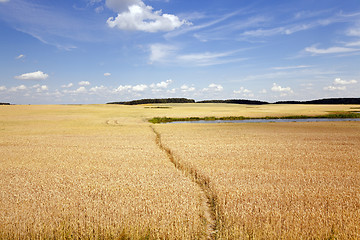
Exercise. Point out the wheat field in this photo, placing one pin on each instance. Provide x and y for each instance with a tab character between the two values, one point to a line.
276	180
70	173
104	172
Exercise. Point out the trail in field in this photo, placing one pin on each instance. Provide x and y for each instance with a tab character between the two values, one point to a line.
209	199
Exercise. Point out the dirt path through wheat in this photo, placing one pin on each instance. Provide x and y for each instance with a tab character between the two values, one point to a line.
209	199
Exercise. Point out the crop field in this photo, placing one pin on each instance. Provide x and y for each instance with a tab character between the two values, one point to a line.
105	172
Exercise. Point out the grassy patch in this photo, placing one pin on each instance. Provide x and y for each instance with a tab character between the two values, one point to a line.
233	118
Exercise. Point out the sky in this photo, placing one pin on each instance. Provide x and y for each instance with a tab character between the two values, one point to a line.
99	51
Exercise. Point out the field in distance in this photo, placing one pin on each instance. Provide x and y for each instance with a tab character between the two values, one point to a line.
104	171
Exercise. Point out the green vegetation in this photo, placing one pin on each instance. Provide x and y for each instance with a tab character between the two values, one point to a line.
232	118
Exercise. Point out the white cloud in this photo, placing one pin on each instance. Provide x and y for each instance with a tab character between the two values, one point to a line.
80	90
161	52
39	75
354	32
163	84
331	50
338	85
68	85
84	83
213	88
122	88
98	88
135	15
41	88
353	44
139	88
291	67
208	58
21	56
2	88
277	88
18	88
107	74
172	91
242	90
333	88
186	88
3	1
264	91
338	81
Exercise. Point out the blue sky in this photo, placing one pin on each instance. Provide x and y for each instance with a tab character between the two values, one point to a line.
96	51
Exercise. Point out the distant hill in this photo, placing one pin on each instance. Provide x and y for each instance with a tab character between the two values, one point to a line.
324	101
156	100
4	103
235	101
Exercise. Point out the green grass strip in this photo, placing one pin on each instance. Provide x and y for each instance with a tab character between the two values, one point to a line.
340	115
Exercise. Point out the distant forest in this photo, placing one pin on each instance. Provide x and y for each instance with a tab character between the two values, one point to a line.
235	101
4	103
241	101
156	100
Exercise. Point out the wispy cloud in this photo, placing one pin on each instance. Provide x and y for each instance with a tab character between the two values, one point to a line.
196	27
168	54
21	56
332	50
50	25
290	67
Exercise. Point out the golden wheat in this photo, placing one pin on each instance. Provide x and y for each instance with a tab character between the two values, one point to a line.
70	172
96	171
276	180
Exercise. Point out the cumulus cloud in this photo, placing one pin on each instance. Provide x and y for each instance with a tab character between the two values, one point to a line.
163	84
136	16
41	88
39	75
338	85
80	90
130	88
282	90
139	88
245	92
67	85
84	83
98	89
213	88
186	88
2	88
334	88
123	88
339	81
18	88
107	74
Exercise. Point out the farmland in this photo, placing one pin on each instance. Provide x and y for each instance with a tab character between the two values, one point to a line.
104	171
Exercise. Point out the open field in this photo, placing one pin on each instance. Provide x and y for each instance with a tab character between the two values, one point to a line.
103	171
276	180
